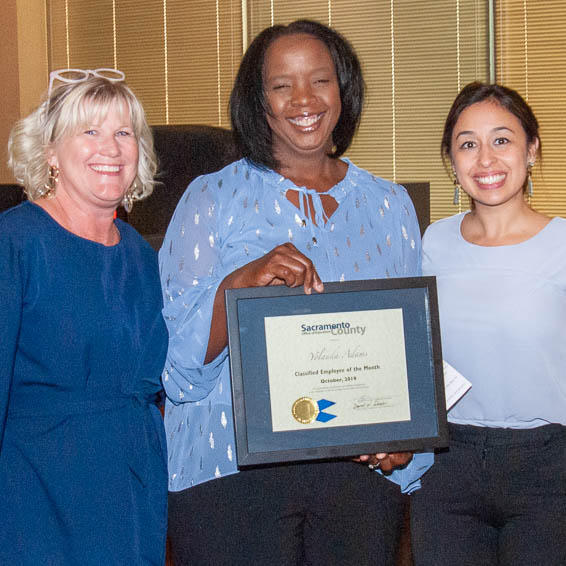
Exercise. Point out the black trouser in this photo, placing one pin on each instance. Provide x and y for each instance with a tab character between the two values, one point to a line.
496	497
337	513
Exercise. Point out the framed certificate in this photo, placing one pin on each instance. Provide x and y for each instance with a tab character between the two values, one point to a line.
354	370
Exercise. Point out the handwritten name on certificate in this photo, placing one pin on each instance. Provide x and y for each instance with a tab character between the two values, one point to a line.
337	369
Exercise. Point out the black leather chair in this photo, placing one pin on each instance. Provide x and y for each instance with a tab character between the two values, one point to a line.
183	153
10	195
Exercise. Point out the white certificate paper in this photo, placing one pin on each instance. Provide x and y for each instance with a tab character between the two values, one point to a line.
350	366
455	385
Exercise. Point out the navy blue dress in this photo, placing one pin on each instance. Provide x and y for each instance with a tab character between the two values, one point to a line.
83	476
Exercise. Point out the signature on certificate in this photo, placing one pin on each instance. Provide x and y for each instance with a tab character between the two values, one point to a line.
367	402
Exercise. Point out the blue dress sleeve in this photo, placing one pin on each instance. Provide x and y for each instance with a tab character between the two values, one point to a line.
11	301
191	271
409	477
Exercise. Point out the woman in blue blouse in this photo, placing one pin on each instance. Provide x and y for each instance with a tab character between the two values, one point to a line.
497	497
290	212
82	448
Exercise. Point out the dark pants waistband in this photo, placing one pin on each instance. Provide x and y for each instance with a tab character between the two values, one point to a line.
488	436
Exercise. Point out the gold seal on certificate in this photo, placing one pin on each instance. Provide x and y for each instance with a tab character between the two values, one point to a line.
305	410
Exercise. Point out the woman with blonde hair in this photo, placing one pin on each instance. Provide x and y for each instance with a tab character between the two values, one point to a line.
82	457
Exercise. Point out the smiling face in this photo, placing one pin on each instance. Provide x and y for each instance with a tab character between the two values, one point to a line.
490	154
98	163
302	92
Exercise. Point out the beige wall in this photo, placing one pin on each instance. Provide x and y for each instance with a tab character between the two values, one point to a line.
23	66
10	100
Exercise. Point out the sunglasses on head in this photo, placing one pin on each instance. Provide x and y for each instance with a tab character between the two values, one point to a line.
80	75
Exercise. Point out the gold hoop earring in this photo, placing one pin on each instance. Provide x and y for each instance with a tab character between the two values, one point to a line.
128	200
52	181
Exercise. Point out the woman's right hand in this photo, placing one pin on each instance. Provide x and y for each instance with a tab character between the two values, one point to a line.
283	265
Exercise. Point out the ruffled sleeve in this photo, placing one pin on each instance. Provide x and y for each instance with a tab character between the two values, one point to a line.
191	270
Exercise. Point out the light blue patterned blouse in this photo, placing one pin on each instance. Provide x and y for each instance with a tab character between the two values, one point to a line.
227	219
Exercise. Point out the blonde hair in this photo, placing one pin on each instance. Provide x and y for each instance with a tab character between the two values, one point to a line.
69	108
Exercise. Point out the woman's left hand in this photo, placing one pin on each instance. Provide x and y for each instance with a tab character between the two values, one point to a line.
387	462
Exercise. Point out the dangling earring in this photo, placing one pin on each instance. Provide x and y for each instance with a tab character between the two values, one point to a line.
530	178
52	181
128	200
457	188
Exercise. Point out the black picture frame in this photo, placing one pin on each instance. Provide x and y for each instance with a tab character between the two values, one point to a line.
257	443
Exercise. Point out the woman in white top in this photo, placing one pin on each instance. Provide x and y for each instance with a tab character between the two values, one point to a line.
498	495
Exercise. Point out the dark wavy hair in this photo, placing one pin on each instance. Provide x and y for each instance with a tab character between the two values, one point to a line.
248	104
506	97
